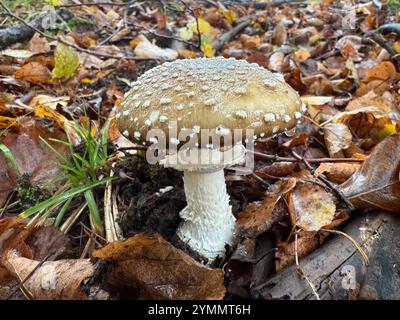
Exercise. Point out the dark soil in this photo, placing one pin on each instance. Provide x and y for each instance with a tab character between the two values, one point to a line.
144	208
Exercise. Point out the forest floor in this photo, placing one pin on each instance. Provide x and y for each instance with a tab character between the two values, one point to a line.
317	218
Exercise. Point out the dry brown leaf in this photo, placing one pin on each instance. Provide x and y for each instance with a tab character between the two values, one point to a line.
338	172
259	217
53	280
48	240
13	233
311	207
377	183
38	44
277	169
385	71
279	36
159	270
33	158
337	138
34	72
285	256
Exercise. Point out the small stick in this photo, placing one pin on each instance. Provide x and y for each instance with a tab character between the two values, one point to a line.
310	160
261	180
358	247
300	270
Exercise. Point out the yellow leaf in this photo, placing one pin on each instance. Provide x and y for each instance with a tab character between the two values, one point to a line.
66	62
54	3
6	122
386	131
229	15
204	26
42	111
396	46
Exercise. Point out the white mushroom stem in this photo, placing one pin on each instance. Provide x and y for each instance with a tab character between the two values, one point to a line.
208	224
208	221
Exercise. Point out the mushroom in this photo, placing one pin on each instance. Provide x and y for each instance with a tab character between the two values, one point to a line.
217	94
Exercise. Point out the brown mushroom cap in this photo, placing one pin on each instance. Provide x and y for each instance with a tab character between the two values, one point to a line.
208	93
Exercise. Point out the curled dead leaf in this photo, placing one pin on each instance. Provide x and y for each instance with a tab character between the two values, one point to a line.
311	207
259	217
53	280
337	138
377	183
338	172
159	270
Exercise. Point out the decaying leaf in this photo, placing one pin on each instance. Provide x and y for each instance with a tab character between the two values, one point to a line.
13	233
258	217
33	158
377	183
311	206
33	72
159	270
338	172
53	280
337	138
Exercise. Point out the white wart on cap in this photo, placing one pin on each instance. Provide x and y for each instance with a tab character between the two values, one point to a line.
209	93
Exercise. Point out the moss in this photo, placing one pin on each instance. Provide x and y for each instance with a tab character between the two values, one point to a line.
30	194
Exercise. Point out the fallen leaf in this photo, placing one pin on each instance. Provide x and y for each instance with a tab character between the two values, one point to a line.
38	44
48	240
145	49
67	62
279	36
285	256
49	101
13	233
53	280
385	71
311	207
276	61
337	138
19	54
258	217
377	183
33	72
34	159
337	172
159	270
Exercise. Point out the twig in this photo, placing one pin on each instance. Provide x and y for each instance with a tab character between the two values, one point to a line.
310	160
29	275
72	45
390	27
261	180
393	53
301	272
188	8
189	43
325	181
358	247
226	37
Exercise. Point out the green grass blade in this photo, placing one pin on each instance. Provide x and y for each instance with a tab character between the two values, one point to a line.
10	157
54	150
94	211
62	212
63	197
